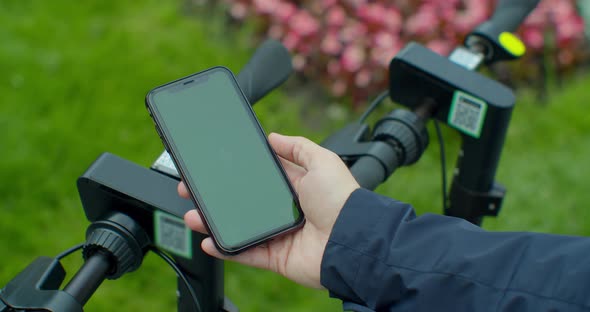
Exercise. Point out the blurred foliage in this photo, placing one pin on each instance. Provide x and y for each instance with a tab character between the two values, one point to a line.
74	76
347	44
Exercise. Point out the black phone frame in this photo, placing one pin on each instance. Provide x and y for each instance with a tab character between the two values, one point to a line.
192	189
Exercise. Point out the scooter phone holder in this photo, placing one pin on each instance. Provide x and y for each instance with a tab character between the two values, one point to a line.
113	184
477	106
417	73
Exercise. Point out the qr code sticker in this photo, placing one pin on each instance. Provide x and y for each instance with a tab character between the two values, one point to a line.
467	114
172	234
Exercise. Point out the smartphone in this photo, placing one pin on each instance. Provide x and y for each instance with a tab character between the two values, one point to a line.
232	174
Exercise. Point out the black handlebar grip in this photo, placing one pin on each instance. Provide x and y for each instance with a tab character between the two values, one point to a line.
269	67
368	172
509	14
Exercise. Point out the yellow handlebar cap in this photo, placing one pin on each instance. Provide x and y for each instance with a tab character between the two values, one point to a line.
512	44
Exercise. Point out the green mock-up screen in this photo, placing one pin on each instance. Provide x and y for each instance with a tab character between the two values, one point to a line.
224	154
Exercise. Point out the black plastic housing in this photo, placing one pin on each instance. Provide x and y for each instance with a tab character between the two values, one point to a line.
43	295
417	74
112	184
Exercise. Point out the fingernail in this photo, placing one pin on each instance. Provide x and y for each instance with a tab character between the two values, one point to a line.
188	213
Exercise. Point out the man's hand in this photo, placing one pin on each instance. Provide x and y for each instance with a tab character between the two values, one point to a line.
323	184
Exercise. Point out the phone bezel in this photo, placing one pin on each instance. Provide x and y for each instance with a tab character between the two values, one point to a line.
194	194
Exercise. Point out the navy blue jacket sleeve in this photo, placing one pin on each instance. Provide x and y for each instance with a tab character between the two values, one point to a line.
381	257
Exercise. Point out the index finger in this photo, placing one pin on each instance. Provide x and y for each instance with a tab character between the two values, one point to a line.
194	221
182	191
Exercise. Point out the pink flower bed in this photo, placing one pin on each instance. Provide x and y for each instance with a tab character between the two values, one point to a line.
347	44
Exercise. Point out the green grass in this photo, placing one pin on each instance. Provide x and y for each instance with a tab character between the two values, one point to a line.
543	166
73	82
73	78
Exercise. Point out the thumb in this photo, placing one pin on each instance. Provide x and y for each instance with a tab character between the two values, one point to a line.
299	150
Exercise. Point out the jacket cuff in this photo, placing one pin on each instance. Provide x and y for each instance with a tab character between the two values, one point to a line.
362	233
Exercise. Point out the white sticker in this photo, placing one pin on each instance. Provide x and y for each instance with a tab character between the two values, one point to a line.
466	58
165	164
171	234
467	114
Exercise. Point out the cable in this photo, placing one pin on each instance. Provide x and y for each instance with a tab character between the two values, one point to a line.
374	105
443	167
69	251
181	275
